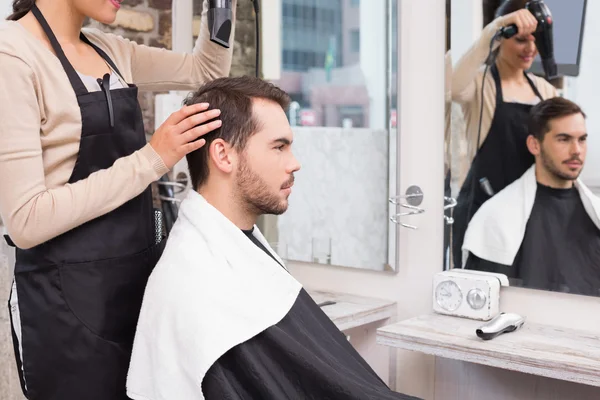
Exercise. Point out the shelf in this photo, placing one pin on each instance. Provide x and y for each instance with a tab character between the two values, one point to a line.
353	311
543	350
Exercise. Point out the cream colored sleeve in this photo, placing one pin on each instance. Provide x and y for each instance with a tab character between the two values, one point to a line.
161	69
32	212
465	71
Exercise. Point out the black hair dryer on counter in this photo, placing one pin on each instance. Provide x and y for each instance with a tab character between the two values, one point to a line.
544	39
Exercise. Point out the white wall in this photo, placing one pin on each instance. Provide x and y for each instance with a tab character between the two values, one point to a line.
5	8
465	26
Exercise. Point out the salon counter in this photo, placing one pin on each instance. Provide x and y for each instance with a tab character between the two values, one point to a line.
349	311
535	362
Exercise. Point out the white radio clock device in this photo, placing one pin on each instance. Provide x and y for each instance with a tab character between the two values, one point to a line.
468	294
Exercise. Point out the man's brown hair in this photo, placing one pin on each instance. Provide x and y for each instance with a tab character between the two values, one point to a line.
233	96
542	114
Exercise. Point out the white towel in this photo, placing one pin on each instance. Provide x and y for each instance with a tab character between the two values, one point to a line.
211	290
497	229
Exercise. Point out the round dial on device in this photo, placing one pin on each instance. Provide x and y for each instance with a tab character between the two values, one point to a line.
476	298
448	295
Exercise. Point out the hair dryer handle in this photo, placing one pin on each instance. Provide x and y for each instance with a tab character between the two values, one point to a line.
509	31
545	45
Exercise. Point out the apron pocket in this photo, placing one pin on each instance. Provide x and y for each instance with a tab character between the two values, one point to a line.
106	295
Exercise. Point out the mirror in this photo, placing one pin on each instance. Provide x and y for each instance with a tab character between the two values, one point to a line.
339	65
525	176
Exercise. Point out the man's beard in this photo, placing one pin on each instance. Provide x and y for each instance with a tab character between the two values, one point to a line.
552	168
254	194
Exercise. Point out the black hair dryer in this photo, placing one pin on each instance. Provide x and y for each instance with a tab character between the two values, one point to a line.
544	38
219	21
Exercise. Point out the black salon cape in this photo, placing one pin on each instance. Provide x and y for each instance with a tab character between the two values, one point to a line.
561	248
303	357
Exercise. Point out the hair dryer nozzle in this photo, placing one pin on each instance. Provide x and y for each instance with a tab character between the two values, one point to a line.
219	21
550	68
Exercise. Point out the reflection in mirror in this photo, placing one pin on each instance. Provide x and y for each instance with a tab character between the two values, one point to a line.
526	202
339	66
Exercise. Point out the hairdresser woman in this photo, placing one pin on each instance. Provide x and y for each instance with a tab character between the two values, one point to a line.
500	153
75	171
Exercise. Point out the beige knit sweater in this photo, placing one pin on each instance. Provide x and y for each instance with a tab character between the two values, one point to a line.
40	128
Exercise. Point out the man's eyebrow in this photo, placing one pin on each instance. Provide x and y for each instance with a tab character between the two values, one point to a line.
282	140
568	135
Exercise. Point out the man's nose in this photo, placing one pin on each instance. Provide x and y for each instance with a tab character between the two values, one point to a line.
294	164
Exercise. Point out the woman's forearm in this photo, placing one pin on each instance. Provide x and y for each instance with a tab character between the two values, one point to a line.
161	69
466	69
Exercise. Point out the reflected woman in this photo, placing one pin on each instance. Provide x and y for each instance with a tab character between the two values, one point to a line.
498	147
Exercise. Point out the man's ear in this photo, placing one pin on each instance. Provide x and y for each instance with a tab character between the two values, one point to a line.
221	155
533	145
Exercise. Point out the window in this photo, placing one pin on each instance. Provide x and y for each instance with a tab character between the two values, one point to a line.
339	212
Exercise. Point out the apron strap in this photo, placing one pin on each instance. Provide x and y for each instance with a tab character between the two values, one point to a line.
9	241
499	95
75	80
103	55
535	89
496	76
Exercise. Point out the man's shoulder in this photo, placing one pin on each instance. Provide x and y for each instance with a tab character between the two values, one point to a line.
502	202
183	260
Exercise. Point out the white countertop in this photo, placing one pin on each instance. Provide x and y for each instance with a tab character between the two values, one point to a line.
543	350
351	311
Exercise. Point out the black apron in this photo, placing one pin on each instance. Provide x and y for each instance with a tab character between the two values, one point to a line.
79	294
502	158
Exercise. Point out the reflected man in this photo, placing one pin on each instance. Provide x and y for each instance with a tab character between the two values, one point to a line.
543	230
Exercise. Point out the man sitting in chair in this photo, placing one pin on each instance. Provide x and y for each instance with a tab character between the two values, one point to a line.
543	230
222	318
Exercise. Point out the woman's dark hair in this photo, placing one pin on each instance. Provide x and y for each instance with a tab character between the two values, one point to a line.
510	6
493	9
20	8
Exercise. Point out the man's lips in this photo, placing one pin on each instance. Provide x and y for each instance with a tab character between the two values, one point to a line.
574	163
288	184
